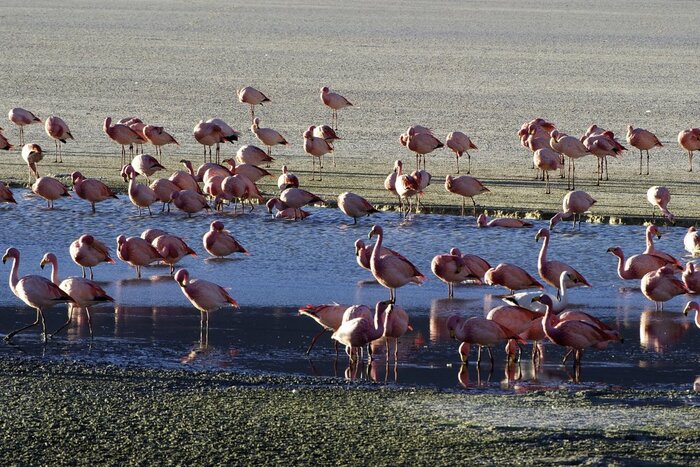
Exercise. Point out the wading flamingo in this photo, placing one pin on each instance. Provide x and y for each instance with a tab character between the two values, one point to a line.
190	202
691	278
363	253
137	252
250	154
219	242
355	206
164	190
636	266
550	271
50	189
328	316
6	195
690	306
32	155
574	203
511	277
691	241
172	248
451	270
476	264
480	331
287	180
140	195
5	143
146	165
396	324
507	222
661	286
58	130
91	189
355	333
88	252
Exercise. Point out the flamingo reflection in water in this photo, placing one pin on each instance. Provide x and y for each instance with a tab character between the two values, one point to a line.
660	331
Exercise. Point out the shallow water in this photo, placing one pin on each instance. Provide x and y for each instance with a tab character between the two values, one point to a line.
295	263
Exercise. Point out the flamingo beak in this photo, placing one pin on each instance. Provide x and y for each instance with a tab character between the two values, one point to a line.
686	310
452	334
4	259
42	264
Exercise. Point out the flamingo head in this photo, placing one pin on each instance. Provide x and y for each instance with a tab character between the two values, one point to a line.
456	252
86	239
231	162
360	245
376	230
453	322
555	220
186	163
284	169
10	253
76	177
121	240
182	277
126	172
653	230
481	220
615	250
325	90
217	226
308	134
31	149
398	165
691	306
48	258
544	299
542	233
256	122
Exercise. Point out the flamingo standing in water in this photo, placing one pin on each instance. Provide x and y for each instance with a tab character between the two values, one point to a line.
287	180
172	248
635	267
267	136
328	316
661	286
460	144
390	181
650	249
363	253
190	202
396	324
476	264
574	203
251	96
391	271
296	198
480	331
659	197
50	189
465	186
32	155
336	102
91	189
5	143
355	206
507	222
690	141
140	195
158	137
84	292
550	271
88	252
137	252
643	140
511	277
357	332
219	242
22	117
36	291
122	135
6	195
58	130
451	270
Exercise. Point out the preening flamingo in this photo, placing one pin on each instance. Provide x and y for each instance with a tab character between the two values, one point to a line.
547	160
476	264
146	165
507	222
570	147
287	180
363	253
58	130
550	271
91	189
460	144
390	181
190	202
50	189
355	206
511	277
336	102
296	198
251	96
451	270
219	242
164	190
422	144
465	186
574	203
140	195
659	197
22	117
691	278
691	241
88	252
693	306
32	155
643	140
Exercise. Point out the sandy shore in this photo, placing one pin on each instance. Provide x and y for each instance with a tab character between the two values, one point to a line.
480	68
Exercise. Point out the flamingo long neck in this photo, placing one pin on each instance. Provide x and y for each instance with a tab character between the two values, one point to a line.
650	242
548	325
379	324
543	251
621	271
563	294
376	250
14	274
54	272
132	186
189	167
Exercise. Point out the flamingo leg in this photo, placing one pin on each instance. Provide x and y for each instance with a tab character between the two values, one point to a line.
83	268
89	318
91	274
566	356
457	157
647	162
39	318
640	162
607	177
70	318
469	161
313	341
474	202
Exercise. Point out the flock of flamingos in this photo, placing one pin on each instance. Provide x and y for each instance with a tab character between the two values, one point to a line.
526	316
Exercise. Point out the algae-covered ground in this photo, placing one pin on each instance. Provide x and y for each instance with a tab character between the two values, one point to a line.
71	413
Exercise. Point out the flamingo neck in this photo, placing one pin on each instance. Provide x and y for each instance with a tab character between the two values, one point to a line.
14	274
650	242
548	323
543	251
376	250
563	294
54	272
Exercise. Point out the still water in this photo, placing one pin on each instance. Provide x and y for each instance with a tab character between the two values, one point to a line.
297	263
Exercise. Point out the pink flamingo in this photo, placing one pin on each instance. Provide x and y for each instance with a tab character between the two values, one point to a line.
659	197
84	292
249	171
6	195
511	277
164	190
190	202
185	180
635	267
284	211
137	125
476	264
251	96
146	165
602	146
151	234
91	189
57	129
267	136
219	242
403	139
172	249
691	241
574	203
691	278
88	252
395	326
357	332
465	186
287	180
363	253
407	186
507	222
422	144
690	306
690	141
35	291
612	334
316	148
210	169
652	231
451	270
391	271
137	252
460	144
550	271
328	316
140	195
336	102
240	187
643	140
5	143
480	331
32	155
158	137
354	206
570	147
516	318
296	198
390	181
547	160
21	118
662	285
326	132
122	135
50	189
250	154
204	296
208	134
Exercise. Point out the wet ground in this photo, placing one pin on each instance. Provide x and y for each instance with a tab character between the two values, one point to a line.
296	263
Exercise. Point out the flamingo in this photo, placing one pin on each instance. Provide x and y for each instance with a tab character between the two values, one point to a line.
250	154
480	331
57	129
465	186
6	195
5	143
146	165
476	264
391	271
612	334
267	136
137	125
296	198
390	181
284	211
251	96
203	295
559	301
326	132
35	291
403	139
691	278
336	102
287	180
209	170
172	249
690	141
84	292
451	270
460	144
50	189
328	316
140	195
407	186
151	234
513	317
240	187
21	118
422	144
185	180
208	134
91	189
602	146
652	231
635	267
190	201
363	253
164	190
249	171
137	252
316	148
570	147
690	306
691	241
32	155
511	277
357	332
550	271
88	252
547	160
507	222
659	197
122	135
219	242
355	206
396	324
574	203
662	285
643	140
158	137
